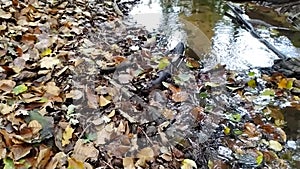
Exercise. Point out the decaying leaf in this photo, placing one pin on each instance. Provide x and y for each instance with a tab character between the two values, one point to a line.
67	135
84	151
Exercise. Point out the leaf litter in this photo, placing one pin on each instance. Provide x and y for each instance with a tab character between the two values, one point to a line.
71	77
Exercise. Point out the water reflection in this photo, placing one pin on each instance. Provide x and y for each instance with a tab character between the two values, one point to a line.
231	45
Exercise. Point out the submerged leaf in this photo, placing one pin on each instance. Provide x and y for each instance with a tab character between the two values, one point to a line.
268	92
163	63
252	83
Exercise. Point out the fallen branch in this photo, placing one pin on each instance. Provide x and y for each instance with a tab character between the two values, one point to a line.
248	26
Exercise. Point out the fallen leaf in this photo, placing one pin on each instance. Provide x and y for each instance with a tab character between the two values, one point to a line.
188	164
8	163
49	62
20	151
252	83
74	164
92	98
46	52
145	155
35	126
163	63
52	89
128	163
103	101
83	151
275	145
20	89
67	135
58	161
5	15
7	85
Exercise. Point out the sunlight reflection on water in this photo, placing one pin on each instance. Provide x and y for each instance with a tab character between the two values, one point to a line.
231	45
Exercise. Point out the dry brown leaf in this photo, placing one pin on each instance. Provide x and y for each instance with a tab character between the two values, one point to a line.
20	151
44	156
128	163
58	161
74	94
180	96
52	89
35	126
145	155
7	85
67	135
49	62
92	98
6	109
83	151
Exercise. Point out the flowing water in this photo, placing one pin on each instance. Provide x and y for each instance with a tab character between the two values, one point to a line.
228	43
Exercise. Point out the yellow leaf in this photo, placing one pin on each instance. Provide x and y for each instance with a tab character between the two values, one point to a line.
103	101
74	164
188	164
67	135
46	52
282	84
226	130
252	83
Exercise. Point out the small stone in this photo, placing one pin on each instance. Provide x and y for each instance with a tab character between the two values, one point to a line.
296	83
296	91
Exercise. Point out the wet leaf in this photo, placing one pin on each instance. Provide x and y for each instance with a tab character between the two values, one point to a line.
67	135
163	63
20	89
268	92
259	158
252	83
227	130
282	84
74	164
188	164
275	145
235	117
